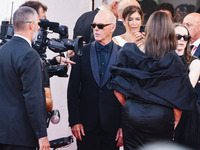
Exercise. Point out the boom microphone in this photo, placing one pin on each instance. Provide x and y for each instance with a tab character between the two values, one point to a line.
44	23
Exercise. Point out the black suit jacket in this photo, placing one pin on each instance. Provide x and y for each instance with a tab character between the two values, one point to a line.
90	101
120	29
197	54
82	26
22	105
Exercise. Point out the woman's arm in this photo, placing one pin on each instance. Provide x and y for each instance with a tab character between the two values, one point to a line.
120	97
194	73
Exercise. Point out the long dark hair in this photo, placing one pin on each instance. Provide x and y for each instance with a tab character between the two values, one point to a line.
160	35
129	10
187	51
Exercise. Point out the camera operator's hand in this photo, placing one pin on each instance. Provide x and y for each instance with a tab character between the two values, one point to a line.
77	130
70	53
44	143
63	61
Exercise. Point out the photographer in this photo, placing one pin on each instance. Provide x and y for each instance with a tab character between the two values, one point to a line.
41	10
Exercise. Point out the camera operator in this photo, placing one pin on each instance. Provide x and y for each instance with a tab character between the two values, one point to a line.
22	104
41	10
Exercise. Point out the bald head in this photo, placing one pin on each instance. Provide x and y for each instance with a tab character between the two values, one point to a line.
192	22
123	4
106	15
106	19
194	16
129	2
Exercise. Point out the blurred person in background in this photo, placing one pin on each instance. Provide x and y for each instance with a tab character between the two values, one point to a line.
132	20
188	130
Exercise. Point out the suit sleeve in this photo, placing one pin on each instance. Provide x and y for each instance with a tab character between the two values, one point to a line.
73	93
31	78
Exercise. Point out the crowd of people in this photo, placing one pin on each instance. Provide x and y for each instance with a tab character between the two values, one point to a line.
130	88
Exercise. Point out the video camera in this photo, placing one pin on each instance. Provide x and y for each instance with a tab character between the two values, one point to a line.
56	45
60	45
6	32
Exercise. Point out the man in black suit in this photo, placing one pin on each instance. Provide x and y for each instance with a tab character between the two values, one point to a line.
192	22
94	111
22	104
41	9
82	26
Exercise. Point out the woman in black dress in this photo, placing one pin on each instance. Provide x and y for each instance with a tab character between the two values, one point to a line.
153	86
187	131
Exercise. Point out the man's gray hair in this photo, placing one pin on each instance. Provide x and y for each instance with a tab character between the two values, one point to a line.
22	17
109	2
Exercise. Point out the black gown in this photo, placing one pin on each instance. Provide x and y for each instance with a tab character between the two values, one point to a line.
152	88
187	132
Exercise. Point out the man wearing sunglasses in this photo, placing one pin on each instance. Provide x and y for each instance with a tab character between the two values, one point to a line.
192	22
82	26
94	111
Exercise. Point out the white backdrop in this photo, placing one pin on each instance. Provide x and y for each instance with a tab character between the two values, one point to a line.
65	12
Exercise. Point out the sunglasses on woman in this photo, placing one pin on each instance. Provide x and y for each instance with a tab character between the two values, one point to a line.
100	26
185	37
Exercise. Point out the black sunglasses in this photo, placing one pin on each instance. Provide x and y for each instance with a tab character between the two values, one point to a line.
185	37
100	26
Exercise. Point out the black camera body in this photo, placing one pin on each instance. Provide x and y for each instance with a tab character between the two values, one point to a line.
60	45
7	32
56	45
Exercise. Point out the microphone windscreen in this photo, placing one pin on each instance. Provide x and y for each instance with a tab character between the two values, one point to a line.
55	118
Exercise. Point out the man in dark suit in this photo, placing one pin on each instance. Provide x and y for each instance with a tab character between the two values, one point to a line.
94	111
22	104
192	22
41	9
82	26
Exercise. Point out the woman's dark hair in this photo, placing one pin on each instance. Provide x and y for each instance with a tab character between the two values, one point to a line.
187	51
166	6
160	35
129	10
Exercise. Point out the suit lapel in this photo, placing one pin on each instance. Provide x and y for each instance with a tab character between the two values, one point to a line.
94	63
111	61
197	52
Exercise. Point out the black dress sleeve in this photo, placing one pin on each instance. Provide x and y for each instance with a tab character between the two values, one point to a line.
163	81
